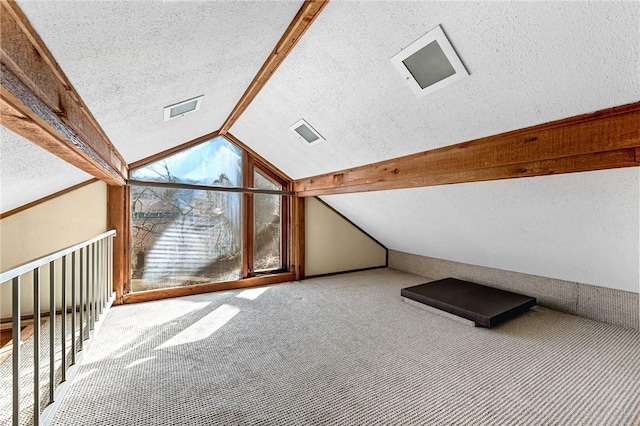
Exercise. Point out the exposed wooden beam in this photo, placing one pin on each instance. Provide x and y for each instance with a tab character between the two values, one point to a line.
581	163
40	104
602	140
303	19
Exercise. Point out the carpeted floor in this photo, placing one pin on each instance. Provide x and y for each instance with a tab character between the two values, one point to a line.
27	372
346	350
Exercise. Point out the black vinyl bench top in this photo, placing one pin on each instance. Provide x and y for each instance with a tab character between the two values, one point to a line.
486	306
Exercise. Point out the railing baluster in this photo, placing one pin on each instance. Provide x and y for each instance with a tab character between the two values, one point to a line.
52	330
36	346
63	320
87	302
74	273
15	335
91	274
94	289
98	287
101	274
81	305
111	270
90	287
88	291
104	274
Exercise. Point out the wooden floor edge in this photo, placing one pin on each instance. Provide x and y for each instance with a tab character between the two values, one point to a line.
7	349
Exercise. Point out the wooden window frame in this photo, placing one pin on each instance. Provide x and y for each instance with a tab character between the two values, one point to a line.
119	212
285	223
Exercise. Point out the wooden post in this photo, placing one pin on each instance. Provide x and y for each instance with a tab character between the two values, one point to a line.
118	219
297	237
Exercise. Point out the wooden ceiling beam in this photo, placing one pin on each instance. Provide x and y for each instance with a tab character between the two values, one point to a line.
602	140
300	23
40	103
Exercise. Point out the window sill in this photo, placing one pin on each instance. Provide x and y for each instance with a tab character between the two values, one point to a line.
165	293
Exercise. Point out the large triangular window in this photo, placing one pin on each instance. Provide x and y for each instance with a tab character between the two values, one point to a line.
216	162
206	214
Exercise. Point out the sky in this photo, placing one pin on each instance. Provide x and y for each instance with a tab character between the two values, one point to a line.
200	165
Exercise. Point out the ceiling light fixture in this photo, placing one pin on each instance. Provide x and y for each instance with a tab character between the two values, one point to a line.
306	132
430	63
182	108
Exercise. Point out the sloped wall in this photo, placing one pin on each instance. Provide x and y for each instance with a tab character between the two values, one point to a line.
29	173
580	227
53	225
333	244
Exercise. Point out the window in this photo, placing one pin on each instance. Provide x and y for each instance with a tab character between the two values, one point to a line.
188	218
267	229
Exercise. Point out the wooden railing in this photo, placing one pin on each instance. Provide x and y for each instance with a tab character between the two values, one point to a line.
80	284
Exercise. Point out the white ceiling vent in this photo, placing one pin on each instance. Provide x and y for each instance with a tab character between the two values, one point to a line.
306	132
429	63
182	108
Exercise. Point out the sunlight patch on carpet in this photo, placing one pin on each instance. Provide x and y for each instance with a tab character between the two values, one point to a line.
252	293
204	327
140	361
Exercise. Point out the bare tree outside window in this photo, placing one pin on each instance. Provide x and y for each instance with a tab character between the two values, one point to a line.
182	236
267	225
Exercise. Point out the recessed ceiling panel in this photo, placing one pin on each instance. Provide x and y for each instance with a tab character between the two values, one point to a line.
306	132
128	60
530	63
429	63
182	108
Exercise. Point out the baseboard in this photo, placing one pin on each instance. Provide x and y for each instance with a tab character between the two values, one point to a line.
330	274
617	307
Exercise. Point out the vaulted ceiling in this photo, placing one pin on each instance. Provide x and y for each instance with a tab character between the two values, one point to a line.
529	63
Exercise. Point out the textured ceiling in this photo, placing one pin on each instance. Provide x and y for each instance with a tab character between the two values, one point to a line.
28	172
128	60
530	62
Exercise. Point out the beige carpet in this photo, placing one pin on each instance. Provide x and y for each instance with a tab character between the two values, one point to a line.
27	371
346	350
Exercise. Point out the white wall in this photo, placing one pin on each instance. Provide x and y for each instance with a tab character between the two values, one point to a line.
332	244
53	225
581	227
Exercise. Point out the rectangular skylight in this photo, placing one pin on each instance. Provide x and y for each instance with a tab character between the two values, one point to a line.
182	108
306	132
429	63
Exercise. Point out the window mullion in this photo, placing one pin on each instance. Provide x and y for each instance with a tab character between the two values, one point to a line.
247	217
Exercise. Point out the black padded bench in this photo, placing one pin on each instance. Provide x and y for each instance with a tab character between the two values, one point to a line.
485	306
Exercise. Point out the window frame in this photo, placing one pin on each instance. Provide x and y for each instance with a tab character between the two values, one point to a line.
254	166
288	250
